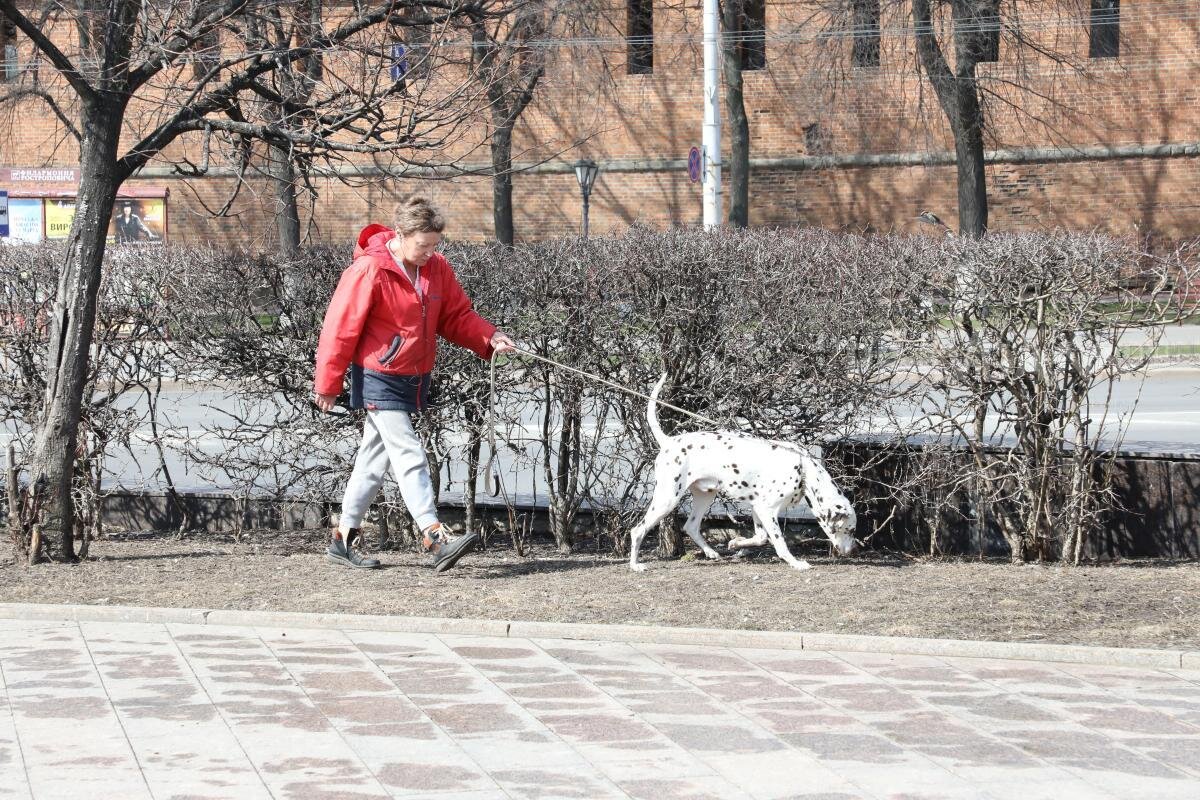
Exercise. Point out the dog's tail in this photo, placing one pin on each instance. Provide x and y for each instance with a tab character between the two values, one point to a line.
652	412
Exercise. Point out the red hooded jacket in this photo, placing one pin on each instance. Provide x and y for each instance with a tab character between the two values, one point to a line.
377	321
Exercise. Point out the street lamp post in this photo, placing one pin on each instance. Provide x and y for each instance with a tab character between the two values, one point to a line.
586	171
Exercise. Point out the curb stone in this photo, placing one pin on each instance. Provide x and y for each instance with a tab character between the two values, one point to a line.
1021	651
644	634
88	613
361	622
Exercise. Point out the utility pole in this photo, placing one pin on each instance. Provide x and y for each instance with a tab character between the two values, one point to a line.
712	116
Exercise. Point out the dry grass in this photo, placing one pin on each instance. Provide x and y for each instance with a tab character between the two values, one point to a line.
1135	604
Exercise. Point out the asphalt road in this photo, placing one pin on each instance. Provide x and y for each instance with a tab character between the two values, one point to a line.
1166	419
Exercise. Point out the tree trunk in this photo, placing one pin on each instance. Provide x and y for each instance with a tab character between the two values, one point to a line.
739	139
502	186
15	528
958	95
565	488
968	152
470	495
287	209
74	314
670	540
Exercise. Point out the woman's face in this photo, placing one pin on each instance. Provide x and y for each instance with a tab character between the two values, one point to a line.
416	248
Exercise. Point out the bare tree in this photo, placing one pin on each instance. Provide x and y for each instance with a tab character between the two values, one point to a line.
1020	371
127	359
508	61
743	47
129	81
975	26
291	86
995	67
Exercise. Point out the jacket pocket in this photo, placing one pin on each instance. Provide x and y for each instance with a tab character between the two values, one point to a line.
394	348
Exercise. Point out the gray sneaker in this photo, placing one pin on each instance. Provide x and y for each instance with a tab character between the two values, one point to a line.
447	548
341	550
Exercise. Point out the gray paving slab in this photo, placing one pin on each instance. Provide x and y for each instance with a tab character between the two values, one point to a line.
14	782
120	708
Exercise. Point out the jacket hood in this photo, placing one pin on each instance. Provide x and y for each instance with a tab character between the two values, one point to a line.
372	241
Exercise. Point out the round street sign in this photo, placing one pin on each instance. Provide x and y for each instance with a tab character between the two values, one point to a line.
694	164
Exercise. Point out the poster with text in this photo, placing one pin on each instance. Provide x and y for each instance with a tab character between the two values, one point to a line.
60	213
138	220
25	219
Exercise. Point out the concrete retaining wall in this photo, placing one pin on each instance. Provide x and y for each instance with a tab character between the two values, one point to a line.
1157	516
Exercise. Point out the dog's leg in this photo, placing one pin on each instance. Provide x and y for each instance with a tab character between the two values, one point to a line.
768	517
701	502
757	540
667	492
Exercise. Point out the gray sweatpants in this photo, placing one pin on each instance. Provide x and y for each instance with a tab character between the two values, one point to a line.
389	440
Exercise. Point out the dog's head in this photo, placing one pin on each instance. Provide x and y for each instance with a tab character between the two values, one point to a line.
839	522
833	510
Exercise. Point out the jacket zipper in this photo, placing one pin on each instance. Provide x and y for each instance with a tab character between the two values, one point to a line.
425	333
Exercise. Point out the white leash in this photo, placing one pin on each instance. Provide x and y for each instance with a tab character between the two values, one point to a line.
491	420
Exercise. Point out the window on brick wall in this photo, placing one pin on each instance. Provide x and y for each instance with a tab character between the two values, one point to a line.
640	39
9	66
206	54
408	55
1104	34
417	38
866	33
988	43
752	46
816	142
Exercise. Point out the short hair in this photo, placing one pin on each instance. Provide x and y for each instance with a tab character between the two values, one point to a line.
417	215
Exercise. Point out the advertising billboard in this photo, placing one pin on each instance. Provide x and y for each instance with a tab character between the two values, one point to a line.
25	219
60	213
138	220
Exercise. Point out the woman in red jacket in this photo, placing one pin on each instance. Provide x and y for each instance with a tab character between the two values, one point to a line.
391	304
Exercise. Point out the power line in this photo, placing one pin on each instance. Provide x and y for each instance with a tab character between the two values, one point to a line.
1004	23
1020	24
999	73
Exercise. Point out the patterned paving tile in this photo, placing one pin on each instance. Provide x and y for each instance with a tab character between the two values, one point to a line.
294	747
70	736
14	785
178	737
103	710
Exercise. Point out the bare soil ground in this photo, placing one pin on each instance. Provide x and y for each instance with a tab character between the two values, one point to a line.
1133	604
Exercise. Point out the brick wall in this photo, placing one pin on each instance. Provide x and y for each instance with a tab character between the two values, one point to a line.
1149	96
1126	196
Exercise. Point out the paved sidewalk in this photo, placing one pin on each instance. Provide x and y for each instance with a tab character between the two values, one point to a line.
145	710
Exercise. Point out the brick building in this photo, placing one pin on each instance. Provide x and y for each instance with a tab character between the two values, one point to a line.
1094	127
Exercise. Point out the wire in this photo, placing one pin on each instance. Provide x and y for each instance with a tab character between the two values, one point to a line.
999	72
1022	24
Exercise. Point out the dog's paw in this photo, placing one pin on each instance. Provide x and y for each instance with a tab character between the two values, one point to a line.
801	564
638	567
713	555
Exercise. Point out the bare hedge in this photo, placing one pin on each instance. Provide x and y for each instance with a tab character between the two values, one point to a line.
983	353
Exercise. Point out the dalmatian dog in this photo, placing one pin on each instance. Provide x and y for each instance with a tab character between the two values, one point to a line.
769	475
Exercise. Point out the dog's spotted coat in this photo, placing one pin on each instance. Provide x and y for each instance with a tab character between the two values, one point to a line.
769	476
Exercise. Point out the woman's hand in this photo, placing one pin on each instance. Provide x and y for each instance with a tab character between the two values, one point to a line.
325	402
501	342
